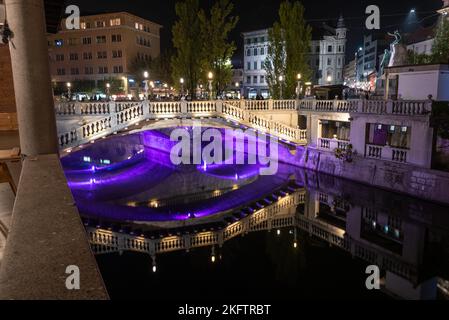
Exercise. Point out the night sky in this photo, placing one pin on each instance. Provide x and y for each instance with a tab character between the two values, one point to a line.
258	14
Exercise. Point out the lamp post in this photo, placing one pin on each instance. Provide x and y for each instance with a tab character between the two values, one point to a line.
152	87
329	80
298	77
108	91
166	90
201	91
181	81
281	79
210	77
146	75
237	85
69	90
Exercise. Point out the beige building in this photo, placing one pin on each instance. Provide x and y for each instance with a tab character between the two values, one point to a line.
104	47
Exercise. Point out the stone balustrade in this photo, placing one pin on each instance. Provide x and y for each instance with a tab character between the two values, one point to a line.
386	153
91	108
332	144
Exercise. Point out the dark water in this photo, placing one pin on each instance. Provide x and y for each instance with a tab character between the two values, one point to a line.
316	247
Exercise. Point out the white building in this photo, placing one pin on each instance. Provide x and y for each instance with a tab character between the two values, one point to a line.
326	58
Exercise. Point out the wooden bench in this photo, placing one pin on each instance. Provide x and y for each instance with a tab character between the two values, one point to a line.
6	156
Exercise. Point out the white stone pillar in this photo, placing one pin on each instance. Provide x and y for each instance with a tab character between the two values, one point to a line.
31	73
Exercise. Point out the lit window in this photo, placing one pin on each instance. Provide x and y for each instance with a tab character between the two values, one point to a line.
86	159
115	22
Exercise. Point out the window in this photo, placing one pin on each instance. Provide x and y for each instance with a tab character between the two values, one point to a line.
329	61
339	62
87	55
317	49
61	72
118	69
100	24
101	39
248	52
117	53
116	38
262	79
59	57
248	66
255	51
88	70
87	40
262	39
329	48
73	41
248	79
339	48
102	55
393	136
115	22
73	56
83	25
255	79
102	70
262	51
255	65
74	71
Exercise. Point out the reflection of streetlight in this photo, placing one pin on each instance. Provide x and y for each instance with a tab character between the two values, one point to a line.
210	76
281	79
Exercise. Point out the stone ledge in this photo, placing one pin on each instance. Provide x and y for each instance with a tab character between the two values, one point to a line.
46	236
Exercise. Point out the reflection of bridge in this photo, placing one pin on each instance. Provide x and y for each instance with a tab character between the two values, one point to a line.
280	214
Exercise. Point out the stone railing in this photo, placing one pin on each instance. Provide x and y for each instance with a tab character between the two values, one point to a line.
386	153
332	144
91	108
393	107
275	215
265	105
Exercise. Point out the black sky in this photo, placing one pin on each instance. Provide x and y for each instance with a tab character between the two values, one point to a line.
258	14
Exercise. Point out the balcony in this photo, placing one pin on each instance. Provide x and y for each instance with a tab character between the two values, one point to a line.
386	153
332	144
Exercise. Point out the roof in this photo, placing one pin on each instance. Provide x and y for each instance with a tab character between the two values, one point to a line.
422	34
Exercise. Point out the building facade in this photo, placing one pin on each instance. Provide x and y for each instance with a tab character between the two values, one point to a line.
104	47
350	73
370	54
326	58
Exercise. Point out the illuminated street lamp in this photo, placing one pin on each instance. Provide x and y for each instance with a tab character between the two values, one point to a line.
166	90
210	77
69	90
181	81
329	80
281	79
108	90
298	90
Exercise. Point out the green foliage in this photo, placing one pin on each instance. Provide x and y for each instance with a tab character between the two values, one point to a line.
137	69
290	40
440	49
117	86
217	50
345	154
187	41
417	58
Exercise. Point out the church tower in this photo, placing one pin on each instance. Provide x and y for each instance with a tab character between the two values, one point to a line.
341	28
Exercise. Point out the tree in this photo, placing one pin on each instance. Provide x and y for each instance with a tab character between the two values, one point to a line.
186	62
417	58
160	68
274	65
293	34
138	68
217	50
440	49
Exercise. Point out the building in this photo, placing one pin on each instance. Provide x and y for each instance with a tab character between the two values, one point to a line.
350	73
103	48
255	53
370	54
326	58
327	54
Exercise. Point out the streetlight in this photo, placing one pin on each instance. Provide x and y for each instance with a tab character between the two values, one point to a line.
237	85
210	76
201	91
182	85
166	90
69	90
108	90
329	79
299	76
146	75
281	79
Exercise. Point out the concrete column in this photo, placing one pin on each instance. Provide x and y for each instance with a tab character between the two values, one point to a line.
31	73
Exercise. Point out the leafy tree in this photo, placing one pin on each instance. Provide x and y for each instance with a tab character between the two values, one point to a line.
440	49
417	58
160	68
274	65
217	50
293	34
137	69
186	62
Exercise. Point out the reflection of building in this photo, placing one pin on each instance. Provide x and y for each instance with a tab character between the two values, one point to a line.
326	58
105	47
